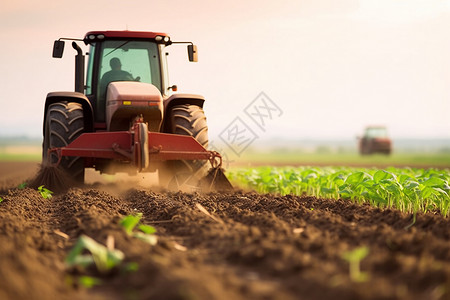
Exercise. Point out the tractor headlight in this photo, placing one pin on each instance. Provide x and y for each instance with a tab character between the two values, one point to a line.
160	38
98	37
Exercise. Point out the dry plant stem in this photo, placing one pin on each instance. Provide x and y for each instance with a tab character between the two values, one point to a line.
203	210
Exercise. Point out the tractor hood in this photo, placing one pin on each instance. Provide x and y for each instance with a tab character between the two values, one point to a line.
126	100
133	91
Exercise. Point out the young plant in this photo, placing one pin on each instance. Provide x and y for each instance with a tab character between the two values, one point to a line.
146	233
129	222
131	267
22	186
45	193
1	199
88	281
354	259
83	280
104	259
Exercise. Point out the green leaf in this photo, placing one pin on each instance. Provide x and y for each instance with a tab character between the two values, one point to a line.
434	182
337	177
130	221
394	189
88	281
381	175
131	267
404	177
1	199
147	229
45	193
440	191
311	176
368	184
412	185
357	254
22	186
377	198
104	258
343	187
355	178
345	194
426	192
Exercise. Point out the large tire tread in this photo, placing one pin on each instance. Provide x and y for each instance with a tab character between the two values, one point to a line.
64	124
188	120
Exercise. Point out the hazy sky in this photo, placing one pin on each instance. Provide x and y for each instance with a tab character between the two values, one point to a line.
331	67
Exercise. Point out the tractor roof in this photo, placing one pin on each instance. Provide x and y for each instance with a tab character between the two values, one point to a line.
126	34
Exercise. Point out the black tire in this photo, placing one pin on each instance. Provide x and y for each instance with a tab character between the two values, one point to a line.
189	120
64	123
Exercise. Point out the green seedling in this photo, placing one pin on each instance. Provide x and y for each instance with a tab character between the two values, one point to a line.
131	267
22	186
129	222
45	193
83	280
88	281
1	199
146	232
104	259
354	259
147	229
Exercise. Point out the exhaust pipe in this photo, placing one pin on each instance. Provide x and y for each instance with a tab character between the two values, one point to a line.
79	69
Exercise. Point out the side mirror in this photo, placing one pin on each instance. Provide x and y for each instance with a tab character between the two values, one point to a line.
58	49
192	52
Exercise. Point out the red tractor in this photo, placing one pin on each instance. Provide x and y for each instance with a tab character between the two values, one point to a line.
125	116
375	140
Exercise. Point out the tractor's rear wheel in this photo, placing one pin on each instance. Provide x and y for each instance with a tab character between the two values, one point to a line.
189	120
64	123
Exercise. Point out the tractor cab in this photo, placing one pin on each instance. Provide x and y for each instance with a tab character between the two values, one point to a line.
121	58
117	56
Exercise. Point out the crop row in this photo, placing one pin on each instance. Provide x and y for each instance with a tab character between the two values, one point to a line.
406	189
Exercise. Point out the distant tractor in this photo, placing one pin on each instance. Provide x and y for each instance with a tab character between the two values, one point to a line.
375	140
125	117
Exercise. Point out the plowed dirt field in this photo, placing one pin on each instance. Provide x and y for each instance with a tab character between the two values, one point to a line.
240	245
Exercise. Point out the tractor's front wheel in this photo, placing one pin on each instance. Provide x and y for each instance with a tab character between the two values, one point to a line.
64	123
189	120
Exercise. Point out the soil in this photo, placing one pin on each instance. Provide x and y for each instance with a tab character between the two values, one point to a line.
239	245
